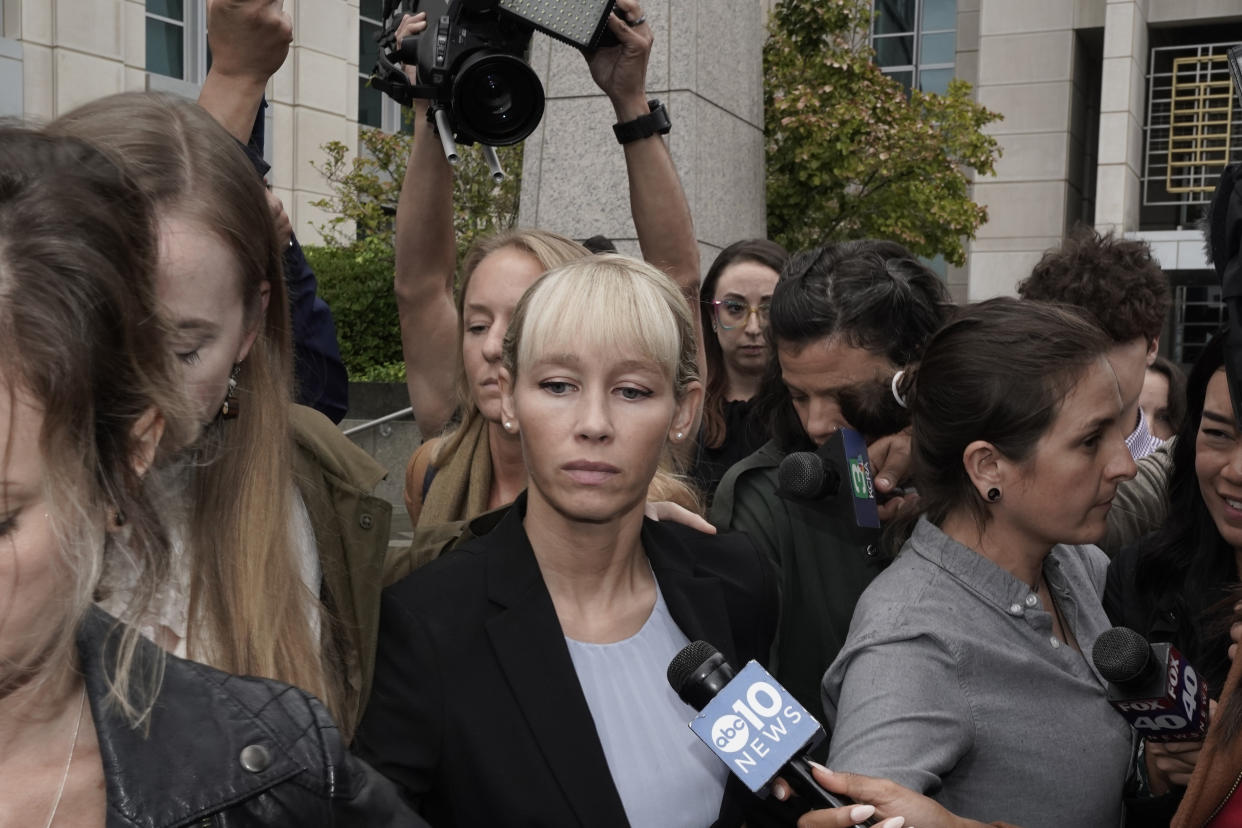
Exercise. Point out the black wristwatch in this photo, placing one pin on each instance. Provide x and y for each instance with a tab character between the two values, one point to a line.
644	126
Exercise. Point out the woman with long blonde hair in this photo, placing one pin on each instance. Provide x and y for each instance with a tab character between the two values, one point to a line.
279	548
98	726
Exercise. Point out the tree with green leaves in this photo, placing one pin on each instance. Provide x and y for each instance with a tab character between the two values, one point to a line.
850	154
355	265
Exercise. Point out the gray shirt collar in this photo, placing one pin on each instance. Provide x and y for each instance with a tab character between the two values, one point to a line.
980	575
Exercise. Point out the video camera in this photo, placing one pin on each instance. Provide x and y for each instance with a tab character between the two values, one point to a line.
472	64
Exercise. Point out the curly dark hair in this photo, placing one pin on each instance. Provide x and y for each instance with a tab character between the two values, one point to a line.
872	293
1115	280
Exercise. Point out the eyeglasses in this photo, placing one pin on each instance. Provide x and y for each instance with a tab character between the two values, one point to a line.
731	313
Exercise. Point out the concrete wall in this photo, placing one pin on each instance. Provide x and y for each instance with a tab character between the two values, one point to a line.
706	66
1026	58
55	55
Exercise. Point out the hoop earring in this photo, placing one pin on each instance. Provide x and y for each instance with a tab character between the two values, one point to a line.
231	408
994	495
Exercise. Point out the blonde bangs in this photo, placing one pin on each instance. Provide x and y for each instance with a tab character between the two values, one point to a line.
609	303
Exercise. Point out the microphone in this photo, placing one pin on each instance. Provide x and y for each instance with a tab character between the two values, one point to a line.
1152	686
816	477
750	722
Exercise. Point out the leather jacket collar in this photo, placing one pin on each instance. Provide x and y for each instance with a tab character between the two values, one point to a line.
204	746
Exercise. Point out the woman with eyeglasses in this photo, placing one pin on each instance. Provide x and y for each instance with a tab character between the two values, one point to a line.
734	306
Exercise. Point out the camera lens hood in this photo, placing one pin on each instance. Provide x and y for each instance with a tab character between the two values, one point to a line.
496	99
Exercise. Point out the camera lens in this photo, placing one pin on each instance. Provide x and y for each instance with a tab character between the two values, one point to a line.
497	99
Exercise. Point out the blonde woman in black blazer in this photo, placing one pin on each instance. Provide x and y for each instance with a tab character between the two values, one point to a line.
480	711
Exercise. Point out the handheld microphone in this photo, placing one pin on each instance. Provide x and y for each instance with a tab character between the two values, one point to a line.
817	476
750	722
1152	686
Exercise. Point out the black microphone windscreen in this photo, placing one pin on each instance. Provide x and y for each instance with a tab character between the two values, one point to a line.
687	662
1121	655
802	474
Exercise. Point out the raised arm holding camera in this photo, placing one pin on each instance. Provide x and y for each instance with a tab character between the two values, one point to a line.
436	328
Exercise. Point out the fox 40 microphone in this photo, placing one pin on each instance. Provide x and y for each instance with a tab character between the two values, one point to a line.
837	476
750	722
1152	686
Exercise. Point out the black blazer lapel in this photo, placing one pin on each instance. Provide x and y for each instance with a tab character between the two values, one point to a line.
696	601
530	648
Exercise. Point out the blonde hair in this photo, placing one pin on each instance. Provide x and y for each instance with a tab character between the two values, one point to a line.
84	343
620	304
246	591
551	250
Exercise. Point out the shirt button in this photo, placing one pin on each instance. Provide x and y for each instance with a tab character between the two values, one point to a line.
1054	642
365	521
1032	600
255	758
1015	609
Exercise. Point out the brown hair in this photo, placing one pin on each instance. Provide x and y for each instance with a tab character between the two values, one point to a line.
1116	281
997	372
551	251
84	341
759	251
246	593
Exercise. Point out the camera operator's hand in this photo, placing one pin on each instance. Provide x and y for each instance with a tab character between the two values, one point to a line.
248	38
412	24
621	71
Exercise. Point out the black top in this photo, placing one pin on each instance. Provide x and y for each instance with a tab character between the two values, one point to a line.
743	437
1194	621
477	713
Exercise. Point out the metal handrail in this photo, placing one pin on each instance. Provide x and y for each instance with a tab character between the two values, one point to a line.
387	418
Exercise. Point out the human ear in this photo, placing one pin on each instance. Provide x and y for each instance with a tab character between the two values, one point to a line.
256	325
687	409
146	434
1153	350
508	410
984	466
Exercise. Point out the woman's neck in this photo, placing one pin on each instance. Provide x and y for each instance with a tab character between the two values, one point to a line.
1010	549
32	715
597	573
508	466
741	386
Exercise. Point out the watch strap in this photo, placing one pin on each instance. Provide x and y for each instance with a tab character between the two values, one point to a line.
644	126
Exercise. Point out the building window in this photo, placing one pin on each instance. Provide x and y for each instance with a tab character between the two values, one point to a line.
915	42
177	40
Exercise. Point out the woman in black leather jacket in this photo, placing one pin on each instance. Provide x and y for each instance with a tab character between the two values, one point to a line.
97	725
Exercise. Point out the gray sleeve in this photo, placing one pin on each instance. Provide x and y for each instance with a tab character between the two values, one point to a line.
1142	503
899	712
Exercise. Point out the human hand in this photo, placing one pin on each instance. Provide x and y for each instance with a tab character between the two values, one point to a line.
621	71
1235	632
890	464
411	25
248	38
1170	764
888	801
668	510
284	227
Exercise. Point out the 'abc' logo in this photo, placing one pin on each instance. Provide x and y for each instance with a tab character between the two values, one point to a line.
730	733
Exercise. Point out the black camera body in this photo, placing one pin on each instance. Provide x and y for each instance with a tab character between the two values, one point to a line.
474	57
472	63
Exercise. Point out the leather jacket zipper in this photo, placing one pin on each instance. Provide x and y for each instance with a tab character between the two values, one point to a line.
1236	781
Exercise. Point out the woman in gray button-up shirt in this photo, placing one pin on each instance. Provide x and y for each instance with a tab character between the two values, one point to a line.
967	674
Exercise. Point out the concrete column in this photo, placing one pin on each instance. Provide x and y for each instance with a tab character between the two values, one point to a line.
1118	192
314	100
706	66
1025	71
70	57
